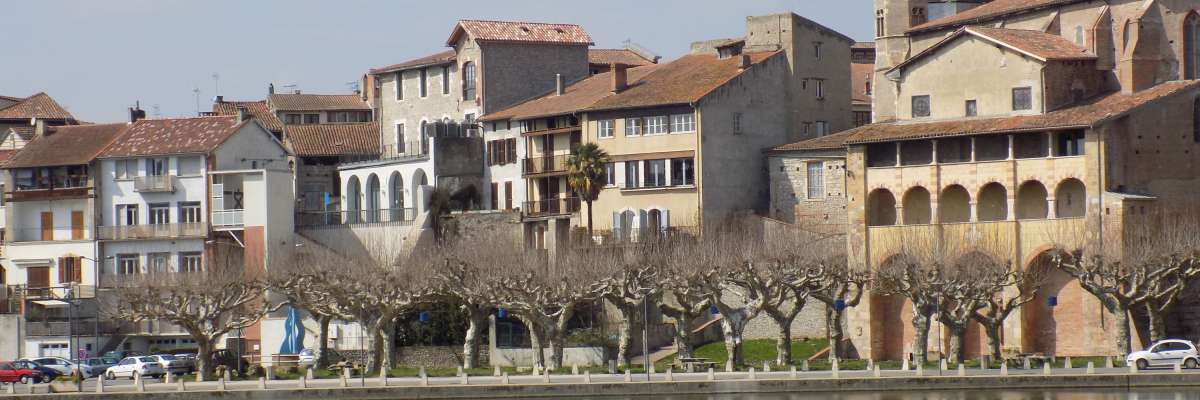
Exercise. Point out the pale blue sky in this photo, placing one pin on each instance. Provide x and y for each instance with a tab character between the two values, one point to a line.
97	57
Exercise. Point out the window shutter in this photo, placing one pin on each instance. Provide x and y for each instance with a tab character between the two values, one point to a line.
78	269
512	149
664	220
62	270
642	224
616	225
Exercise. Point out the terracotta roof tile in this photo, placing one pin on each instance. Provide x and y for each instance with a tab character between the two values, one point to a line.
988	11
863	45
1087	114
576	96
173	136
1039	44
828	142
66	145
520	32
5	155
25	132
682	81
317	102
334	139
40	106
619	56
258	109
444	57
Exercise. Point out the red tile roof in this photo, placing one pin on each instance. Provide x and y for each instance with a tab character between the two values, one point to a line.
863	45
25	132
829	142
66	145
520	32
317	102
334	139
258	109
619	56
576	96
445	57
5	155
173	136
988	11
40	106
1085	115
1039	45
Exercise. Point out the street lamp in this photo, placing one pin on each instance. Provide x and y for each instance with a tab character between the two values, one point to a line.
646	292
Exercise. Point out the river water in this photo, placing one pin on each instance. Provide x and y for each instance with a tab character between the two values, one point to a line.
1168	394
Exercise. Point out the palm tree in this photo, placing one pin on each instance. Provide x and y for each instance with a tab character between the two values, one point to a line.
585	174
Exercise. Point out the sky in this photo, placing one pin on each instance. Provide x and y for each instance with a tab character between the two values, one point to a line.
99	57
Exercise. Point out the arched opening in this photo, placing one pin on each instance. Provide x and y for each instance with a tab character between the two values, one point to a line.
1049	322
396	196
993	203
891	327
419	180
917	209
1191	46
881	208
954	205
373	198
1031	201
353	196
627	220
654	223
1070	199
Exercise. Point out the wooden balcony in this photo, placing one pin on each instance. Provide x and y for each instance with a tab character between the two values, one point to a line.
550	207
49	194
544	166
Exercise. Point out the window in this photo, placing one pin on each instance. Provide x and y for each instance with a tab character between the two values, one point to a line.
128	264
400	85
191	262
820	88
158	262
631	174
737	123
160	213
920	106
1068	144
156	166
879	23
190	165
1022	98
312	118
70	269
604	128
971	108
424	85
917	17
293	119
683	172
817	50
445	80
349	116
127	214
656	125
126	169
610	174
816	180
512	149
634	126
189	212
656	173
1079	35
683	123
468	80
822	128
399	138
862	118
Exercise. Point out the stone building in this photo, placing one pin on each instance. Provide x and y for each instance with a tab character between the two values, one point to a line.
1014	122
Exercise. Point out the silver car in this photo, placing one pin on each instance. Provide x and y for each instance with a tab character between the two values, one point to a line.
1165	353
173	364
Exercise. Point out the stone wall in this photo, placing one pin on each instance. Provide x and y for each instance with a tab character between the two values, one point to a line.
789	192
10	341
435	356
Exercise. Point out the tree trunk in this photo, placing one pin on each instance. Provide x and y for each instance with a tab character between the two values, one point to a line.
1158	329
683	335
920	324
732	325
322	352
204	362
834	333
783	343
556	351
626	333
476	323
1121	312
535	343
958	333
993	338
590	231
387	337
374	357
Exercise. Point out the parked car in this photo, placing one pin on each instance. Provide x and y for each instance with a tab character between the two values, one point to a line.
141	365
100	364
48	374
12	372
308	357
1166	353
174	364
64	366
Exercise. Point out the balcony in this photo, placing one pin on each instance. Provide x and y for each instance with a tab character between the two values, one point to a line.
155	231
154	184
35	292
554	131
549	165
397	216
58	327
550	207
228	218
51	193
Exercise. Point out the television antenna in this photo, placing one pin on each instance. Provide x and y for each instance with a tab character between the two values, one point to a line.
216	83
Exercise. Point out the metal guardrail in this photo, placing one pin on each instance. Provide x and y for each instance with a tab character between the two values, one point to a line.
152	231
228	218
161	183
383	215
542	165
548	207
64	328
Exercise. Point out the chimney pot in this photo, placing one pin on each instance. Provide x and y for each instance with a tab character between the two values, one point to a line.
271	88
220	99
559	85
297	91
619	77
136	112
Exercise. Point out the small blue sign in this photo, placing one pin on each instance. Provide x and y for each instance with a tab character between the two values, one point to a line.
327	200
1052	301
713	309
423	316
839	304
502	313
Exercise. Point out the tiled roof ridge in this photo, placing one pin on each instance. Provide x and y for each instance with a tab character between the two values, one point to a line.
517	22
651	74
984	12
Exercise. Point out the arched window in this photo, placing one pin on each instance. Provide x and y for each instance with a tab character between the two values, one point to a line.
881	208
954	205
396	193
1070	199
468	80
1031	201
993	203
1191	46
424	137
353	195
917	210
418	180
373	198
654	227
1196	120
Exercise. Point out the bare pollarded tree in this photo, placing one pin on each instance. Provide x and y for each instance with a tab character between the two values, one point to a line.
839	287
627	286
226	295
685	294
467	274
308	281
720	255
1009	293
914	274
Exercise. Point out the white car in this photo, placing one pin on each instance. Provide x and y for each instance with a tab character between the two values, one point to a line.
63	366
173	364
1165	353
140	365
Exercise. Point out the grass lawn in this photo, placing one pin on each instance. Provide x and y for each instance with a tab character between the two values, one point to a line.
755	351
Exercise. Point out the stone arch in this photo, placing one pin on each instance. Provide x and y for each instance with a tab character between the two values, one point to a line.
993	203
917	207
419	179
372	198
881	208
1070	199
1050	322
396	196
1191	45
353	200
954	205
1031	201
891	323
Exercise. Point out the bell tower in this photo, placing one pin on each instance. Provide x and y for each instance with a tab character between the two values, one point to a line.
892	19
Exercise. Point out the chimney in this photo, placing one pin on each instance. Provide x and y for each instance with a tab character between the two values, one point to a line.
136	112
744	61
39	128
242	114
297	91
558	84
270	88
619	81
220	99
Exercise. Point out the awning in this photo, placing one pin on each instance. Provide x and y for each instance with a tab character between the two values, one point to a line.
51	303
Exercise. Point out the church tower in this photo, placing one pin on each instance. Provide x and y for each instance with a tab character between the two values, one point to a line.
892	19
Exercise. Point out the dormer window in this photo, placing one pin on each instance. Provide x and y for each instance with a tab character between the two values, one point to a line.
918	16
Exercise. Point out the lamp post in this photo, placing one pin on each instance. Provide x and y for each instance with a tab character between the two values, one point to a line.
646	292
